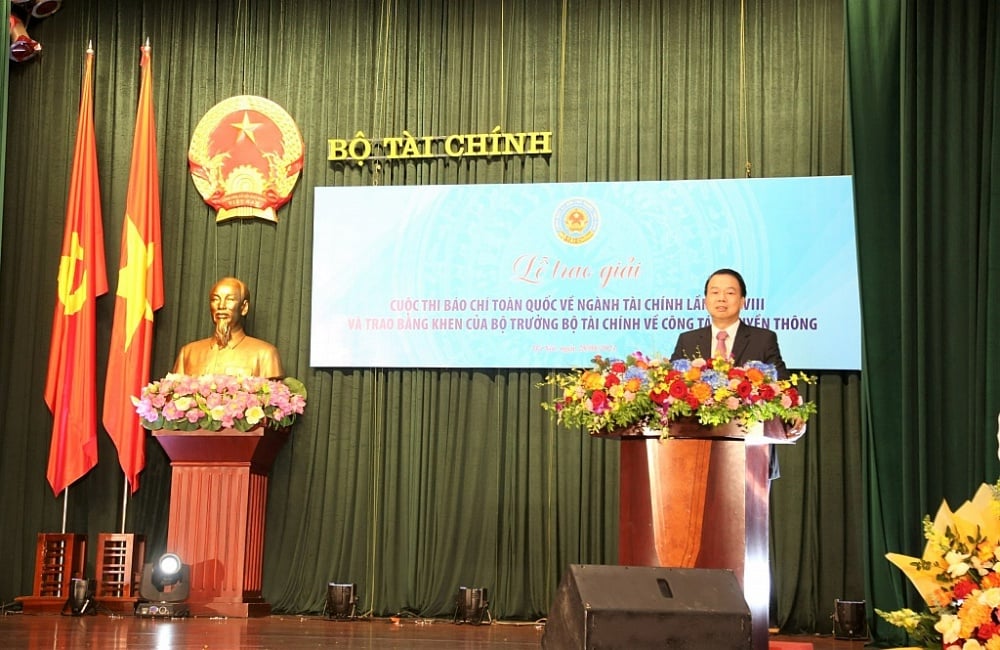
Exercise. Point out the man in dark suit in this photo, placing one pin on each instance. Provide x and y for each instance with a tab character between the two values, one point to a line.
725	295
728	336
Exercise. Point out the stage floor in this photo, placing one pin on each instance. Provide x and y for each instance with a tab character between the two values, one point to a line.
113	632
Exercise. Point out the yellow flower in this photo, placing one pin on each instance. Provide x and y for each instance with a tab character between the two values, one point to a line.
971	615
591	380
905	618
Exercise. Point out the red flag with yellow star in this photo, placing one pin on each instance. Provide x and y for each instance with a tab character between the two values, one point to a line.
140	290
70	383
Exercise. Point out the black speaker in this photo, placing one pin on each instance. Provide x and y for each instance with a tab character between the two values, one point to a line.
602	607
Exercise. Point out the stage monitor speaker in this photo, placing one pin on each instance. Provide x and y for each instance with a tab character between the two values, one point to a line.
603	607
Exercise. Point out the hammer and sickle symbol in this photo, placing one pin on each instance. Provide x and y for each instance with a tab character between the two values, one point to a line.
72	298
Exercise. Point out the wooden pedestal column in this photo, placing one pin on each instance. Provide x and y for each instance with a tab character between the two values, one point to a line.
700	500
218	502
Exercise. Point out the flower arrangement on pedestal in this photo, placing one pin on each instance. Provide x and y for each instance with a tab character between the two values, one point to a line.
213	402
957	577
642	391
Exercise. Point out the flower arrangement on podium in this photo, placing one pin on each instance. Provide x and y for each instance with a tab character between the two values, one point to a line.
213	402
957	577
640	392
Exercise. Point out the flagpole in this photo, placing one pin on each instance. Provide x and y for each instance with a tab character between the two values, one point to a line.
65	504
124	505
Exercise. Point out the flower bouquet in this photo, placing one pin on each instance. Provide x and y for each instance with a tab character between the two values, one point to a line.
646	392
957	577
213	402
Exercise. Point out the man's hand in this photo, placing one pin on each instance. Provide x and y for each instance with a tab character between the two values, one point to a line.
795	431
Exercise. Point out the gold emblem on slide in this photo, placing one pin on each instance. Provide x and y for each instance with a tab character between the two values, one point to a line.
72	298
576	221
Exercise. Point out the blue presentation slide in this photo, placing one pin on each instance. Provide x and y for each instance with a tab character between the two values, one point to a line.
549	275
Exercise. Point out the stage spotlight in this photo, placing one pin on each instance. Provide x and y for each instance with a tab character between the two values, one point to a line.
166	584
38	8
22	46
81	598
849	620
44	8
341	601
472	606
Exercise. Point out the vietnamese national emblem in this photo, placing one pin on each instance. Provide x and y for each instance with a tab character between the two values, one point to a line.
245	157
576	221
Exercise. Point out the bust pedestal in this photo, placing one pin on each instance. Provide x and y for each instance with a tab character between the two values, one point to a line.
218	503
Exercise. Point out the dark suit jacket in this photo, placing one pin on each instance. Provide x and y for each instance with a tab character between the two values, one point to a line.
751	344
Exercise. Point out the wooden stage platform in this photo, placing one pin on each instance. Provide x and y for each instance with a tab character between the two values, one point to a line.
288	632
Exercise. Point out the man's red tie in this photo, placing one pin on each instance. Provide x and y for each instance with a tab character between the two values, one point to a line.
720	345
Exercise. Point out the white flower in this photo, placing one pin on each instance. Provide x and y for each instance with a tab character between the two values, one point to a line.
957	565
949	626
185	403
990	597
254	414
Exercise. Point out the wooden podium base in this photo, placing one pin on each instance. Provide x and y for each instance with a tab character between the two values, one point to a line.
699	502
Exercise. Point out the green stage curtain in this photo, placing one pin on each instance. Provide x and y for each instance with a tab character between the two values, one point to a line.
927	142
4	85
411	483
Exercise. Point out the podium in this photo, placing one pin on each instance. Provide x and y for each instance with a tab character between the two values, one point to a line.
699	499
218	503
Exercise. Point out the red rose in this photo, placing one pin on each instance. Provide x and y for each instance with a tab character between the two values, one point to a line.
678	389
618	366
794	396
744	389
737	373
693	402
658	396
611	380
599	401
767	392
